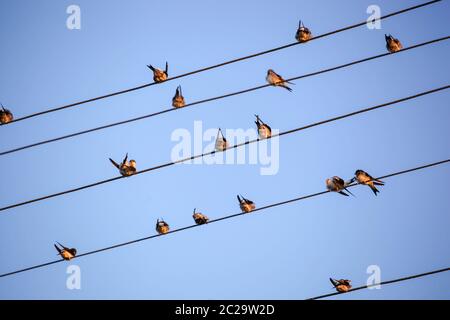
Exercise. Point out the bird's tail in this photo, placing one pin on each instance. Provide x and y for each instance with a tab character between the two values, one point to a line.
333	282
349	192
287	88
114	163
374	189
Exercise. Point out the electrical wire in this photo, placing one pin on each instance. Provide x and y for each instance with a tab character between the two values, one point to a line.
382	283
231	147
429	165
222	64
216	98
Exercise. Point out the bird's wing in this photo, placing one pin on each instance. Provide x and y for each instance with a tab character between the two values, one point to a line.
65	248
57	249
114	163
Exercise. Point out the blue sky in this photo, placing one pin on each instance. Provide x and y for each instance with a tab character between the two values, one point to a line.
288	252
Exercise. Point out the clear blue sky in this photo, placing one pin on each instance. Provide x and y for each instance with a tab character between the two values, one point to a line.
287	252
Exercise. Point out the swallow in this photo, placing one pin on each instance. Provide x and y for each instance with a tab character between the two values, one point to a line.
178	99
162	227
264	130
158	74
65	252
200	218
364	178
221	141
245	204
276	80
303	34
392	44
126	168
6	116
341	285
337	184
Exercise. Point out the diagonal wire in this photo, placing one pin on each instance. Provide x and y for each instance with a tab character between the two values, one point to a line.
222	64
223	218
382	283
168	164
215	98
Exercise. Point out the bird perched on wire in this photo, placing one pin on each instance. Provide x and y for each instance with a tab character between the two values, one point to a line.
6	116
264	130
341	285
126	168
245	204
221	141
178	99
64	252
392	44
161	226
158	74
303	34
200	218
337	184
364	178
276	80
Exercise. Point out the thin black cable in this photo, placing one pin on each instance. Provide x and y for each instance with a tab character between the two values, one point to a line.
214	98
222	218
221	64
382	283
231	147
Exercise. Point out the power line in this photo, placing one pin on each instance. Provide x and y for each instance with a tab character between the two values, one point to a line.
168	164
221	64
382	283
216	98
223	218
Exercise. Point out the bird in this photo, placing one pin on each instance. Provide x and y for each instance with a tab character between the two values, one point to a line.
364	178
161	226
178	99
264	130
65	252
392	44
126	168
6	116
221	141
158	74
276	80
200	218
303	34
245	204
337	184
342	285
